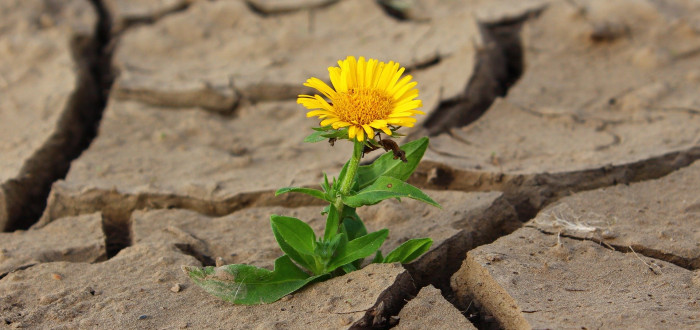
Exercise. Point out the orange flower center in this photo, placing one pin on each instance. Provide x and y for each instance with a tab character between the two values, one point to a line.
363	106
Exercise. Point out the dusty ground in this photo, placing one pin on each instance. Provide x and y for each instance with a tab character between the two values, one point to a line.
136	137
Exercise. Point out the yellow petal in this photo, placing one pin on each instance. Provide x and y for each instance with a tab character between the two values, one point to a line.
394	79
324	104
410	95
335	76
398	93
310	104
352	75
340	124
386	75
377	75
378	123
360	134
321	87
369	76
369	130
318	113
344	72
329	121
405	106
352	131
361	72
400	115
402	121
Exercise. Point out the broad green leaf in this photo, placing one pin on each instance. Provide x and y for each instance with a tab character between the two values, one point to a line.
304	259
332	221
295	232
409	250
312	192
386	165
358	248
384	188
249	285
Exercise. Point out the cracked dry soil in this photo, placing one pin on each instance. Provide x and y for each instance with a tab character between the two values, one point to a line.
565	138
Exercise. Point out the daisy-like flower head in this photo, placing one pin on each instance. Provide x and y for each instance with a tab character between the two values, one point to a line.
366	96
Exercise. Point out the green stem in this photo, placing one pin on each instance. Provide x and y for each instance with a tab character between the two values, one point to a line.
349	178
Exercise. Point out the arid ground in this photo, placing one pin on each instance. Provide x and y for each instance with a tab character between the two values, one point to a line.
139	136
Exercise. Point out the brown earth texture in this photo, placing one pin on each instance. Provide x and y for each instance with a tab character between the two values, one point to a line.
140	136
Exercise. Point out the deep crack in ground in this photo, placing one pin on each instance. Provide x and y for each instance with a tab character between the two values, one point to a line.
77	127
499	65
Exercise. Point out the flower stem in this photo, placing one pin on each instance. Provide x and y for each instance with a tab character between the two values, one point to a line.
349	178
346	183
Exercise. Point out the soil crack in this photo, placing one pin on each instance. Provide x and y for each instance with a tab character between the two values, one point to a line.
199	255
263	9
498	66
633	249
117	208
18	268
124	23
77	127
530	193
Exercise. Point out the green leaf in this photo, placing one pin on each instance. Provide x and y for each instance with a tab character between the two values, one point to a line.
331	223
378	258
409	250
314	137
249	285
326	132
325	185
357	249
323	128
305	259
312	192
348	268
386	165
354	227
341	176
341	133
384	188
295	232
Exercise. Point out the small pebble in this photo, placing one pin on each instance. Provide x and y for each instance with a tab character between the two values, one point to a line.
56	276
176	288
143	317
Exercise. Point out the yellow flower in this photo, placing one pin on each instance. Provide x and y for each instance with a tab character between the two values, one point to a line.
366	95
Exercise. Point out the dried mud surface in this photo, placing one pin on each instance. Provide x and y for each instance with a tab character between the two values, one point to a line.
137	137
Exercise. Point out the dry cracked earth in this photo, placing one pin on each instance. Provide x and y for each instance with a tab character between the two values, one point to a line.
139	136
